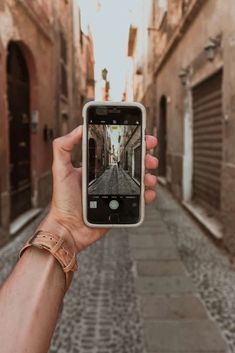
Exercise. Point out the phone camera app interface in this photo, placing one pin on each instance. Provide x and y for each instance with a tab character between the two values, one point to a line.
114	160
114	169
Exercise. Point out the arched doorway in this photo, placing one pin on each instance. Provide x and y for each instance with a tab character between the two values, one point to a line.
162	136
92	154
18	95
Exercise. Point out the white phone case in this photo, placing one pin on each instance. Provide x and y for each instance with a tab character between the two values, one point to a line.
84	163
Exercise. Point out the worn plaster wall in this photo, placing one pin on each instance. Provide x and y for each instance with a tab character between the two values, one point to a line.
215	18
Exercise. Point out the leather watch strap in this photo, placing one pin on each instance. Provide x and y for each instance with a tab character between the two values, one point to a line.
60	246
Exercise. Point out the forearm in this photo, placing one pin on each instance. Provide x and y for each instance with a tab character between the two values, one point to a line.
30	301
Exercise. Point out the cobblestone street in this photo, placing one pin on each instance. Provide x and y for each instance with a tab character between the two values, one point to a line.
114	181
132	291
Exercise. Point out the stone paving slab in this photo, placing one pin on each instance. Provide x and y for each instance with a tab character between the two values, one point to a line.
149	222
178	336
160	268
140	232
174	318
165	285
186	307
155	253
150	240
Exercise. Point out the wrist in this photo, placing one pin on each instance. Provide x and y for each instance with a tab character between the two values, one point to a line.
42	258
53	225
56	239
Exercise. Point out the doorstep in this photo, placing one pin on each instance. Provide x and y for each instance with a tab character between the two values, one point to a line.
19	223
210	223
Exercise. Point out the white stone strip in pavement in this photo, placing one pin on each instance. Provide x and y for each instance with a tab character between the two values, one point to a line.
174	317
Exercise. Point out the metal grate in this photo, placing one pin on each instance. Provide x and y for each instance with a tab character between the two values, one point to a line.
207	140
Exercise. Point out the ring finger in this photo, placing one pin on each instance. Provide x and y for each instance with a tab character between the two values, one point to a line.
151	162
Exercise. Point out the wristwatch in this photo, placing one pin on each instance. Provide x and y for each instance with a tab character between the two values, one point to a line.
62	247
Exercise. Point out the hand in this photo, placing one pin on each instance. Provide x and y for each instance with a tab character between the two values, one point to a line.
66	207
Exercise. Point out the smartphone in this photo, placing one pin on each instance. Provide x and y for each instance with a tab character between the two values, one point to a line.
113	164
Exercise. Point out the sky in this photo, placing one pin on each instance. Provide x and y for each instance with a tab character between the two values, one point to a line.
114	132
109	21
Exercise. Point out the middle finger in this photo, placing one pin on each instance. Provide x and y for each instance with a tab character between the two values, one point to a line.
150	180
151	142
151	162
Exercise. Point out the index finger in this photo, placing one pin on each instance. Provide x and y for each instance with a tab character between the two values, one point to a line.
151	142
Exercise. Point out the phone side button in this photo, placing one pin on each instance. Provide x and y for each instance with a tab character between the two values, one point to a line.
114	218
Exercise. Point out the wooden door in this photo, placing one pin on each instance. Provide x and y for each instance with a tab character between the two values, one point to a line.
162	137
19	131
92	160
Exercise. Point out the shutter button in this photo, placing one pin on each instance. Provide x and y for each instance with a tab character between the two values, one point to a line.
114	204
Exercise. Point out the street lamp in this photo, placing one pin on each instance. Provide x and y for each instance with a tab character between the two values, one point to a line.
183	75
107	86
210	48
104	74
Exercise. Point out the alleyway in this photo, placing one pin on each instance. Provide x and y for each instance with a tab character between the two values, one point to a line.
114	181
137	287
164	287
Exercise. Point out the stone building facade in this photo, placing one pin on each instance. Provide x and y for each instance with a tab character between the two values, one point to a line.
97	151
130	155
88	63
39	98
187	84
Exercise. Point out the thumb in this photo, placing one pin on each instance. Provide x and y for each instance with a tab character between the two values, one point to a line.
63	146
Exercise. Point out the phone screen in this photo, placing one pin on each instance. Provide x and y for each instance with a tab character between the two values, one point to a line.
114	164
